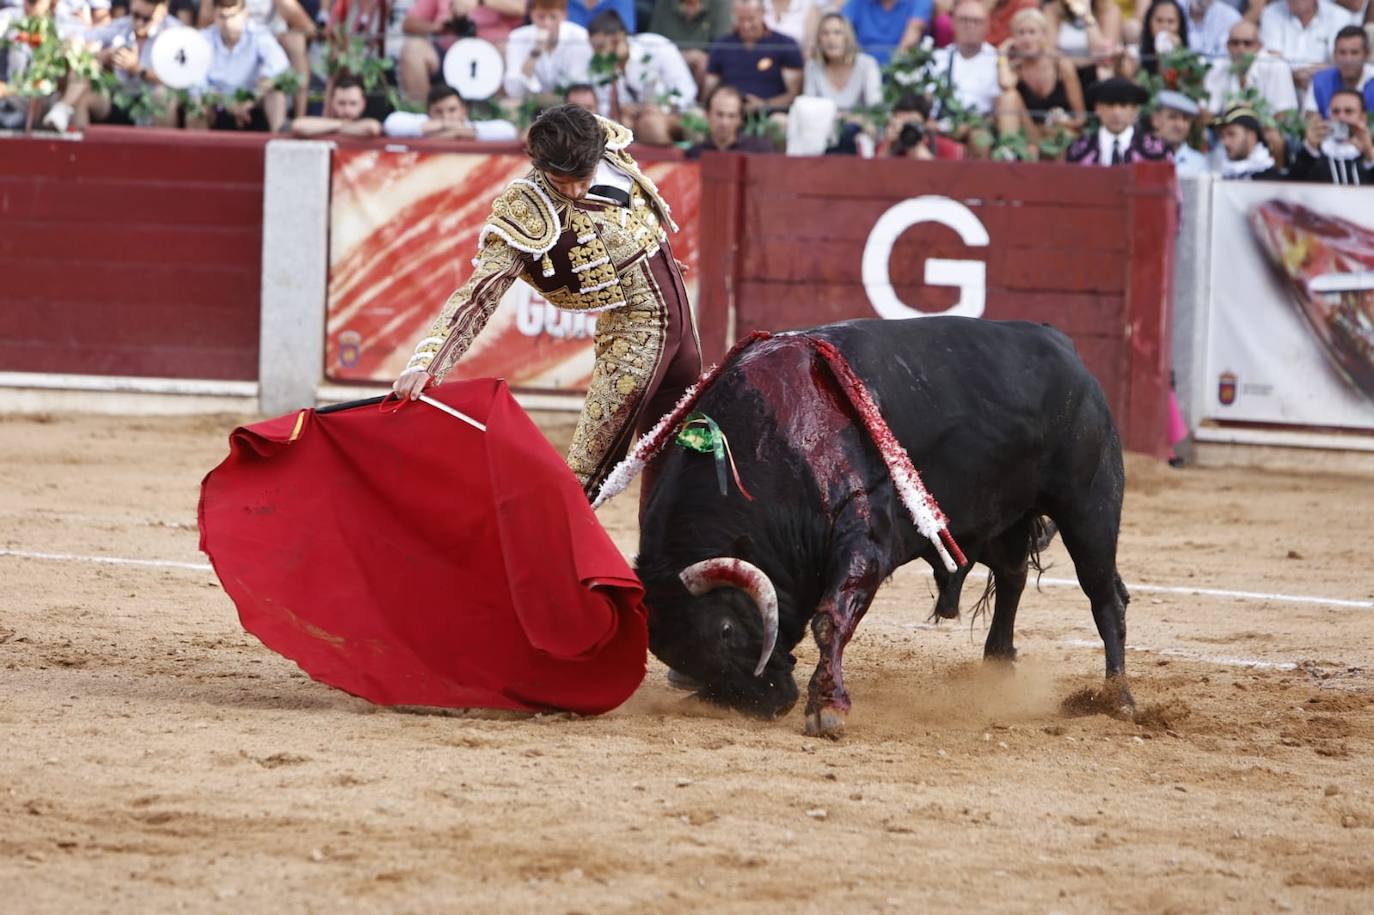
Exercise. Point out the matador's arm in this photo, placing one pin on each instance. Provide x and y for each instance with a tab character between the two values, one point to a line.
467	311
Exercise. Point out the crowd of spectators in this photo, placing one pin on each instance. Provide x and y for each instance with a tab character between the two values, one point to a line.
1241	88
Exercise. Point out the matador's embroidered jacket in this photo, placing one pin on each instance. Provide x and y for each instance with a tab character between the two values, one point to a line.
579	258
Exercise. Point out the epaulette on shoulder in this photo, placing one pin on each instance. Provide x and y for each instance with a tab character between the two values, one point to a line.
524	216
618	136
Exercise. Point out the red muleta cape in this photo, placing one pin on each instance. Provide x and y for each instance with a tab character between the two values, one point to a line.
411	559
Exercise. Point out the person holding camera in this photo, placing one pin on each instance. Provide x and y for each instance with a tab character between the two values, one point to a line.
432	26
1338	150
909	135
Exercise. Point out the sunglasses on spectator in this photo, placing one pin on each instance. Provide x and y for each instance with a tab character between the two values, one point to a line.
141	17
1242	42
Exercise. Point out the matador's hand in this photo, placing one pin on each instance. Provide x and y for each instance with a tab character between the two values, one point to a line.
411	384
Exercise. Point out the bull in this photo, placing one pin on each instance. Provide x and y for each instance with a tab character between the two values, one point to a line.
1005	425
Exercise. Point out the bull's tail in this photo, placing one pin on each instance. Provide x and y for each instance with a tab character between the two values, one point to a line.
984	602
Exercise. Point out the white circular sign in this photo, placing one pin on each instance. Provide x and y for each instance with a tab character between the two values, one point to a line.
969	276
181	58
474	67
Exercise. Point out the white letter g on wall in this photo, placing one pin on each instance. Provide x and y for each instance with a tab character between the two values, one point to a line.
969	277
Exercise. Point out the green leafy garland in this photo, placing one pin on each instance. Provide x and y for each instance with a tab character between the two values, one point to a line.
51	60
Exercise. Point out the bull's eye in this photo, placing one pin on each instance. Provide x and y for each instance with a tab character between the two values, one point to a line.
726	630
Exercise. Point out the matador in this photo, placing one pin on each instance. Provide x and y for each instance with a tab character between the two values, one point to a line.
588	230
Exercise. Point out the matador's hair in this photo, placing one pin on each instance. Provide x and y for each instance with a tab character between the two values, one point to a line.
566	140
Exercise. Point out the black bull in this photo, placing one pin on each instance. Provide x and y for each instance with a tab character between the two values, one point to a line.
1003	422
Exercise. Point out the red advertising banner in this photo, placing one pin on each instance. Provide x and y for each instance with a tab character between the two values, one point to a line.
403	231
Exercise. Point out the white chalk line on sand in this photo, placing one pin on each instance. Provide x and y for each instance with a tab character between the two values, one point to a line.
1253	663
1220	660
1051	582
109	560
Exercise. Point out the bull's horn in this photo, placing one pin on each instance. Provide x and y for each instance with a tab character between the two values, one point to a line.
726	572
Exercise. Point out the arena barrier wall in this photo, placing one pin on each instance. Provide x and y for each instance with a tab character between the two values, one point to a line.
132	259
795	242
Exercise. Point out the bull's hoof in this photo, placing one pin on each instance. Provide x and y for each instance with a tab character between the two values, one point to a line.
828	722
1119	694
1000	656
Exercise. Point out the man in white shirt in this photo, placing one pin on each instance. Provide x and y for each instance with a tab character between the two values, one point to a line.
547	55
1302	32
970	63
446	118
1209	22
245	58
650	85
1269	76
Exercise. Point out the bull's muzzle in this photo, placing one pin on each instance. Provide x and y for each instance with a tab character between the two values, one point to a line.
727	572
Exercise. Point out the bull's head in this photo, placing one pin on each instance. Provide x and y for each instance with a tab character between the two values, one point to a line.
725	635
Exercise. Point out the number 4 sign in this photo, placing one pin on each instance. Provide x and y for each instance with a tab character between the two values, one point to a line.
181	58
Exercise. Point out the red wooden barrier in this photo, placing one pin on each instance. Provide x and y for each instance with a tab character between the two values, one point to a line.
1086	249
131	253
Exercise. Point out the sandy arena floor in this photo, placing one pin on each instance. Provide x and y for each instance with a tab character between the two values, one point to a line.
154	757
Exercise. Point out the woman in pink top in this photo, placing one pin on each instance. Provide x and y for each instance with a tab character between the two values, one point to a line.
431	26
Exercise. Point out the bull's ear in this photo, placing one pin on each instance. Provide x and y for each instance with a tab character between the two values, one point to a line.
743	548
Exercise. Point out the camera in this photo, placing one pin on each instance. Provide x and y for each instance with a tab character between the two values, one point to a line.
908	138
1340	131
461	26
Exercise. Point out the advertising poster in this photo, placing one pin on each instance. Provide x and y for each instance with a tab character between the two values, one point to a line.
1291	329
403	232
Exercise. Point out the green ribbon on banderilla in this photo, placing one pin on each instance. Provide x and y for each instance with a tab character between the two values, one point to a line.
700	433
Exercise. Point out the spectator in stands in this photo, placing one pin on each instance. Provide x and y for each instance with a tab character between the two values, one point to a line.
100	13
650	86
1338	151
244	58
1245	155
345	118
1165	30
288	22
1000	14
692	25
1208	24
797	19
1089	34
432	26
970	63
908	134
583	95
725	121
582	12
1248	67
1172	121
1352	71
446	117
839	71
1040	90
548	54
123	47
1302	32
886	27
184	11
764	66
1117	141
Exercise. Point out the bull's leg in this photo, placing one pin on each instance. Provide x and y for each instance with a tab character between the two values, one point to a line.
838	615
1009	558
1091	541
